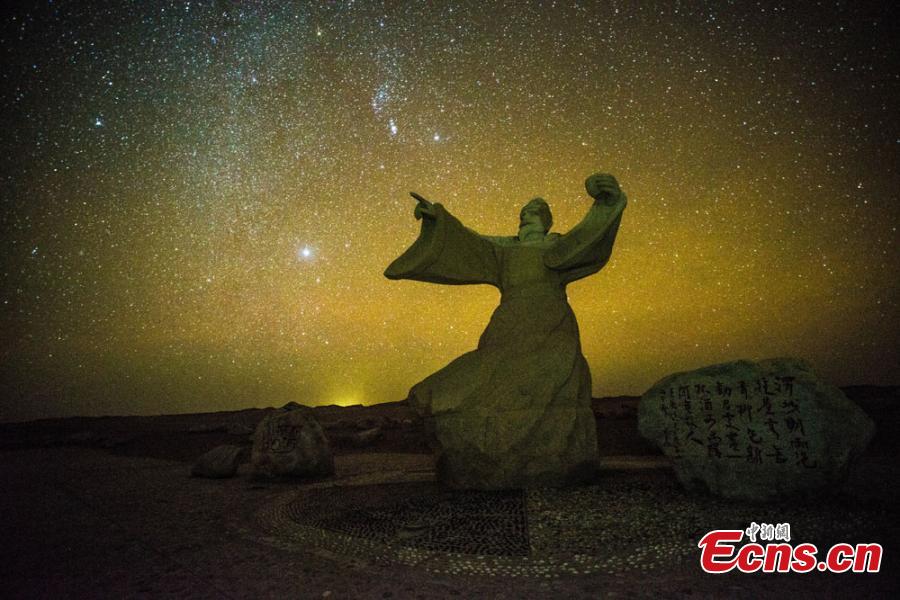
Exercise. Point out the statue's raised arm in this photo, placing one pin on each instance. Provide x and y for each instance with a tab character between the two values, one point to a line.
588	246
446	251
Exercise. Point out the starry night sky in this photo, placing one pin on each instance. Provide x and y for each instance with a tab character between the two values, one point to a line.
199	198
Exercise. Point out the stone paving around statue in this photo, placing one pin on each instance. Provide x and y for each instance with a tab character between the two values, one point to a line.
85	523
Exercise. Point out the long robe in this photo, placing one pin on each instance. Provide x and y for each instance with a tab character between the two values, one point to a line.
515	411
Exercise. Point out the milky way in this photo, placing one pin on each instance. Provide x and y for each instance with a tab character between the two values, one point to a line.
199	199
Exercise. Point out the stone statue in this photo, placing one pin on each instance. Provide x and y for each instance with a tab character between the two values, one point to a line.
515	412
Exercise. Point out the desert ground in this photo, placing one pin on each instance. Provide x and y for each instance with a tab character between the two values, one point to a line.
106	507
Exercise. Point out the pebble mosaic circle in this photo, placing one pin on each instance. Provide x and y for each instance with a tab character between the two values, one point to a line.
629	522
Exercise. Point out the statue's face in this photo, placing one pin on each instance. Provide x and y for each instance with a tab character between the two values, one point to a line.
530	215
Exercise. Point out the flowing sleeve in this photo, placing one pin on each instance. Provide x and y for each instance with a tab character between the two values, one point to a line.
587	247
447	252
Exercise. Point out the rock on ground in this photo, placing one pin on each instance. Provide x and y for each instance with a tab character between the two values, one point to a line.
755	431
219	463
291	443
366	437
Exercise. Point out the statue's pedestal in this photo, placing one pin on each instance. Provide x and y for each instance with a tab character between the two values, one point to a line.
514	448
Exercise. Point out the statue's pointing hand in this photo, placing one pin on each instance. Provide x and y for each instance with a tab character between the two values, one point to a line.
603	188
424	208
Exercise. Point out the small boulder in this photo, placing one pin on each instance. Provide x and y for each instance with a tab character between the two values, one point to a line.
291	443
755	431
219	463
361	439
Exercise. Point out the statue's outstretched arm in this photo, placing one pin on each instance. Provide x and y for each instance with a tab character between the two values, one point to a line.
446	251
424	208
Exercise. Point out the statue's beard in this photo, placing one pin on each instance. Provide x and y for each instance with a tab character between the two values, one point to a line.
530	230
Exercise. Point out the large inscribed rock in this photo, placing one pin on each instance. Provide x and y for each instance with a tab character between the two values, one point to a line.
755	430
291	443
516	411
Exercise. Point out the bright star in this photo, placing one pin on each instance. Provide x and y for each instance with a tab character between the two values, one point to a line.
393	126
305	253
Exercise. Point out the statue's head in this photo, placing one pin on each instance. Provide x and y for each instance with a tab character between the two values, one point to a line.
537	211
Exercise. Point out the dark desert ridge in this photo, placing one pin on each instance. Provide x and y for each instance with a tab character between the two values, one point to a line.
105	506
